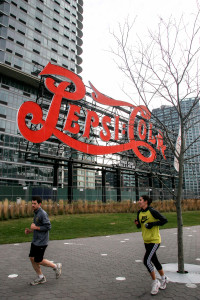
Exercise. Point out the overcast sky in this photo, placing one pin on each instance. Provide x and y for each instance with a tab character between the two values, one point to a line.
103	16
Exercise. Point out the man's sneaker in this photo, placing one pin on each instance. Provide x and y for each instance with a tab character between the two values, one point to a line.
155	287
164	283
58	270
38	281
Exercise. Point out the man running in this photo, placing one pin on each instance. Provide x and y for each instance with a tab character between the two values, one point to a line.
40	229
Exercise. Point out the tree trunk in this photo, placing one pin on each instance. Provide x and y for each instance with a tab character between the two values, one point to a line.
179	216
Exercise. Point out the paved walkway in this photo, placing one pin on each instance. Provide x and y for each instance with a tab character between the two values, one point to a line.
98	268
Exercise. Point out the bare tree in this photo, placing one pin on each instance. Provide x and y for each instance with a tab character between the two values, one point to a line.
165	70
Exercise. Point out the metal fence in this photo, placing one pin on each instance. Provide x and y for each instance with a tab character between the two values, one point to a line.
17	193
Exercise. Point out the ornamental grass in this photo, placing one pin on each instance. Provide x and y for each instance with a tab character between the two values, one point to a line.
13	210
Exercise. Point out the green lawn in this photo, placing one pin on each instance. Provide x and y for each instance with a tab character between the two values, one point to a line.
85	225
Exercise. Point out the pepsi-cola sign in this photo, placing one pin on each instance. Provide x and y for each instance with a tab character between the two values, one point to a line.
143	127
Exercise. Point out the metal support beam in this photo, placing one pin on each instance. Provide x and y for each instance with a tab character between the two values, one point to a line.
137	187
104	186
55	174
118	185
70	182
55	180
161	188
150	185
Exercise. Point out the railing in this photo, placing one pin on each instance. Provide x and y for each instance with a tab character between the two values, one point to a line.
17	193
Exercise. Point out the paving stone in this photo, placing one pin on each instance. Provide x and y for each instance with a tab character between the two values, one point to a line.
87	275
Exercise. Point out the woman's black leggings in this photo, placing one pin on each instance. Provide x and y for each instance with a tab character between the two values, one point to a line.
151	257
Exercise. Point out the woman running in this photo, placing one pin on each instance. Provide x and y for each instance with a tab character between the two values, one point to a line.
149	220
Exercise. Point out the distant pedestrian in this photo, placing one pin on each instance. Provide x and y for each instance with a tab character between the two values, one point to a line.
149	220
40	229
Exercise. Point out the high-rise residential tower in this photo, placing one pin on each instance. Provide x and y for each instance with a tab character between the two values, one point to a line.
168	115
33	33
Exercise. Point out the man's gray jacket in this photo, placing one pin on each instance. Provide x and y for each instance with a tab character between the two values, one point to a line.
41	219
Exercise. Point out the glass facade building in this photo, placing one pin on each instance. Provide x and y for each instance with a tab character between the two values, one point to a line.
33	33
168	115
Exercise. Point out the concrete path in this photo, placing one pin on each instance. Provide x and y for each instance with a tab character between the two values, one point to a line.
98	268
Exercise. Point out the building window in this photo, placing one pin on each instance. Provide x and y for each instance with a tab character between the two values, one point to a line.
19	43
54	40
13	16
56	20
8	50
18	54
14	3
21	32
39	9
26	94
37	41
36	29
38	19
17	67
34	62
12	27
5	86
3	102
11	39
23	9
65	66
22	21
36	51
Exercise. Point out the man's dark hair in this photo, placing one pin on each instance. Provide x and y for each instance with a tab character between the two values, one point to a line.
37	198
147	198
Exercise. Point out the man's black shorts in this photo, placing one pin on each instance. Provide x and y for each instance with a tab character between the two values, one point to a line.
37	252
